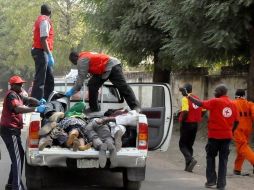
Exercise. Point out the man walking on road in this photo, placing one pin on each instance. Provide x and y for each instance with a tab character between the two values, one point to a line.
43	39
189	118
11	125
222	118
243	131
102	67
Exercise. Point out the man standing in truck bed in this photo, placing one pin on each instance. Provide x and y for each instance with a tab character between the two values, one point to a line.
43	83
102	67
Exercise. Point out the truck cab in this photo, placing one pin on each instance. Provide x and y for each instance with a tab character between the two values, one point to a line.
155	121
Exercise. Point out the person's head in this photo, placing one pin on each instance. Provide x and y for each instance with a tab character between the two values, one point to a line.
73	57
220	90
16	83
46	10
188	87
240	93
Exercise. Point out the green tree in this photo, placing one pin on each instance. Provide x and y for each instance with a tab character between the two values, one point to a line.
129	30
210	31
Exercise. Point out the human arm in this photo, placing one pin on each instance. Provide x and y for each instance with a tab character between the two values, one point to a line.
83	67
44	33
184	109
190	97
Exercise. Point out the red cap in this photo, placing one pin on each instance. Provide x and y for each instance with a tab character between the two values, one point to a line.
16	80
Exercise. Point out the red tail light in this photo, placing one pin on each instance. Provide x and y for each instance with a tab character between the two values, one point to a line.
33	137
143	136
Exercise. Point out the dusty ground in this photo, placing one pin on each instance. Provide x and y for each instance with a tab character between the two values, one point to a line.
175	156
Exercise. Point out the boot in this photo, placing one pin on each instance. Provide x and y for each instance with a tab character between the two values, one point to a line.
72	135
45	142
47	128
118	139
102	155
112	155
56	116
75	144
84	146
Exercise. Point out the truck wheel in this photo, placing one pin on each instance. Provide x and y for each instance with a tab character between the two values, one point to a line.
33	179
130	185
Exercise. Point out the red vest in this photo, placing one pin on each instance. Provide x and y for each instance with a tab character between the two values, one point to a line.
9	118
194	113
36	31
97	62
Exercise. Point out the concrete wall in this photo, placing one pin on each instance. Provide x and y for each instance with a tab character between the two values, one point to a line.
203	84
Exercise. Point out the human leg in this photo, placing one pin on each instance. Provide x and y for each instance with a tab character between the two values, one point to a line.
211	153
40	73
93	85
16	152
117	78
49	83
186	141
223	160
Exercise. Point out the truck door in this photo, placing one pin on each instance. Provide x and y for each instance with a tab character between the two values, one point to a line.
156	104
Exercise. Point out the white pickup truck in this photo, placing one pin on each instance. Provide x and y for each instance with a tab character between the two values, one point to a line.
155	122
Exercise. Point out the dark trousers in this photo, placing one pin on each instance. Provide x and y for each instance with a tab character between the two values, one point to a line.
13	144
117	78
213	147
188	133
43	84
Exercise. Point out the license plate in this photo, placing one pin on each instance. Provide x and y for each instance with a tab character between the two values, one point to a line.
87	163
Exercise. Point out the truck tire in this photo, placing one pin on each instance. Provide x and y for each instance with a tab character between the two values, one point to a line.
128	184
132	185
33	177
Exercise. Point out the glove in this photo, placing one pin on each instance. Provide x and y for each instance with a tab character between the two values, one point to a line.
51	60
184	91
42	101
70	92
40	108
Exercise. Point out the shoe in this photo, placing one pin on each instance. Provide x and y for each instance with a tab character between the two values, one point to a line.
112	155
72	135
56	116
221	188
210	185
236	172
75	144
102	155
47	128
191	165
118	140
45	142
8	187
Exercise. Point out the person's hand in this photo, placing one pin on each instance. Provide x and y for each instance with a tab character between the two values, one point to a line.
40	108
42	101
70	92
184	91
51	60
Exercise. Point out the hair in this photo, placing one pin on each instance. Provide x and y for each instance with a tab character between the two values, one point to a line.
222	88
240	93
73	56
45	10
188	87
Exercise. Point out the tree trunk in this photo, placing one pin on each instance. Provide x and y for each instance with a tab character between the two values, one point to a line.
160	74
250	82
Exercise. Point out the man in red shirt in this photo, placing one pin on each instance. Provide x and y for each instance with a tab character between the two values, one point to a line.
43	39
11	124
102	67
189	118
222	118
